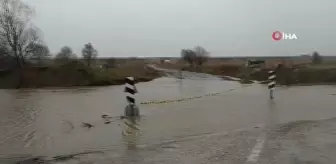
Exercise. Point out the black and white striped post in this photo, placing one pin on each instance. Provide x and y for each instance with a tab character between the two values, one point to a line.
271	83
131	109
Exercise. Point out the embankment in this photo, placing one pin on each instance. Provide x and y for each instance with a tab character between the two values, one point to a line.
297	75
73	74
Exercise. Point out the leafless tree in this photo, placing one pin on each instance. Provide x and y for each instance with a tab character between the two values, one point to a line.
316	58
39	53
198	56
188	56
17	32
201	55
65	55
89	53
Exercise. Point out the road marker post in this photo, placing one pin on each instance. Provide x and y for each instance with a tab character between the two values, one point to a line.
130	126
131	109
271	83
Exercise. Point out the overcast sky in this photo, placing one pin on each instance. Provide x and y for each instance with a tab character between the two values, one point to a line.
121	28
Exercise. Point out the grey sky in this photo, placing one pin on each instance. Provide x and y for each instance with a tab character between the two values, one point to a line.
164	27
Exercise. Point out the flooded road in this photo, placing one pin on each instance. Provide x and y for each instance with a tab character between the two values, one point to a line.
45	125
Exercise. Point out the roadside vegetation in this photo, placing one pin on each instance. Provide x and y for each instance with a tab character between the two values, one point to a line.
318	71
73	73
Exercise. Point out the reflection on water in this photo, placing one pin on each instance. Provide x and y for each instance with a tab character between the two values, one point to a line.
131	132
76	90
273	121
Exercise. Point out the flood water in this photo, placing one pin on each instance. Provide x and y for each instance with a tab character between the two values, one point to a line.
48	122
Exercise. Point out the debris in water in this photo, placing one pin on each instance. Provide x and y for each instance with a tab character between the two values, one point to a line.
88	125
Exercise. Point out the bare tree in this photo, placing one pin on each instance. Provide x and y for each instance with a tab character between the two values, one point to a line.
316	58
39	53
65	54
16	29
188	56
89	54
201	55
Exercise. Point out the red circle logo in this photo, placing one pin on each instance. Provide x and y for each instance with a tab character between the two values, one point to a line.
277	35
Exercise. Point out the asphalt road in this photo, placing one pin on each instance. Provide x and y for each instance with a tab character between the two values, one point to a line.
239	124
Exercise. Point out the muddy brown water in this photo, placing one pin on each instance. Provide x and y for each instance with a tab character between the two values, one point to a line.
48	122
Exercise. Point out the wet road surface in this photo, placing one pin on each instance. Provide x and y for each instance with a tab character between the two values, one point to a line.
240	125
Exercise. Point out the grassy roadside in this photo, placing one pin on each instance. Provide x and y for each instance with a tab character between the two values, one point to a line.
300	76
116	76
77	74
309	74
74	74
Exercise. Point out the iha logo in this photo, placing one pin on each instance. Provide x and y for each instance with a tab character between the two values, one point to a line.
277	35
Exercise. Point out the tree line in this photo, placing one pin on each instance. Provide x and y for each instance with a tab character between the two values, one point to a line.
21	40
195	57
89	54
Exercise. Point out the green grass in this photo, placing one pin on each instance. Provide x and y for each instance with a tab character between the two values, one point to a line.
75	74
117	75
324	73
322	66
306	75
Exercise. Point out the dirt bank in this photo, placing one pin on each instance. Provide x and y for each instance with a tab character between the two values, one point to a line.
297	75
73	74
